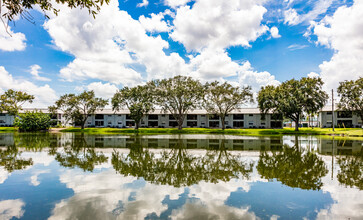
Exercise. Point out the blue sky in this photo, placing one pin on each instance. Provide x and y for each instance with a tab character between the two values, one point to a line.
245	42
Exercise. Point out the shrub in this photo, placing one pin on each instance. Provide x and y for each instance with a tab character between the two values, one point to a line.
33	121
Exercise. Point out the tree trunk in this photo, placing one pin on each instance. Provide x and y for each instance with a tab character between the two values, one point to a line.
297	125
180	125
83	122
223	118
310	123
137	125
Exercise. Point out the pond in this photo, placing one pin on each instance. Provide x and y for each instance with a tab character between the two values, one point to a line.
74	176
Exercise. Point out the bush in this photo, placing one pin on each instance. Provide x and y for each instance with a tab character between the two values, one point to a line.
33	121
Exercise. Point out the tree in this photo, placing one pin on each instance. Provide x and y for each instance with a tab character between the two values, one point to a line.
178	95
293	98
221	99
11	101
314	98
351	96
79	107
16	7
138	100
33	121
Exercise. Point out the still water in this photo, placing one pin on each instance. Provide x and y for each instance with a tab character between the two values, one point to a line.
73	176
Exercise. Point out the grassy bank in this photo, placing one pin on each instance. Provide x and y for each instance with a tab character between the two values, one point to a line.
355	132
8	129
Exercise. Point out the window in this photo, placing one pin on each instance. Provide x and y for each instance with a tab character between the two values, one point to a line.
213	117
153	117
191	124
345	114
119	122
99	123
191	117
109	122
152	124
238	116
238	124
250	123
329	113
173	124
251	115
99	116
2	122
162	115
89	122
128	117
2	114
171	117
214	124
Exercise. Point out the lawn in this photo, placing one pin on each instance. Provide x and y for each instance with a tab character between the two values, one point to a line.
357	132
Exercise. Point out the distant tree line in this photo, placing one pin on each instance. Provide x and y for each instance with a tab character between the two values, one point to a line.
181	94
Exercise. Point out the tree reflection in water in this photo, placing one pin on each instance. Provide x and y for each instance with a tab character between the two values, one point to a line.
351	170
178	167
294	167
10	159
77	153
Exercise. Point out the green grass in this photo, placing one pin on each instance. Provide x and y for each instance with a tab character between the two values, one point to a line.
357	132
8	129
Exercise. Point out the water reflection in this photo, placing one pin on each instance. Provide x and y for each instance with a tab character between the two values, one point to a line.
180	177
180	167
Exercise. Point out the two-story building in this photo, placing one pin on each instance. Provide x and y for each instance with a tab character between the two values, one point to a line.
344	119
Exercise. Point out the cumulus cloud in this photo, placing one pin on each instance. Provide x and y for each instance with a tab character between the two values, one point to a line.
155	23
343	33
144	3
275	32
104	90
4	174
12	42
218	24
11	208
44	95
34	70
176	3
248	76
313	75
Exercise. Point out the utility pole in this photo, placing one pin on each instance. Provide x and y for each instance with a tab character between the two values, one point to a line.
332	106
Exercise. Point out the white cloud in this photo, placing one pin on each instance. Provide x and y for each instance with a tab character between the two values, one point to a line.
155	23
176	3
313	75
104	90
34	70
218	24
44	95
106	47
34	178
293	47
343	33
248	76
11	208
12	42
144	3
320	7
4	174
275	32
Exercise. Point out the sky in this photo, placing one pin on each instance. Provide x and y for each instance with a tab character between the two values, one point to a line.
243	42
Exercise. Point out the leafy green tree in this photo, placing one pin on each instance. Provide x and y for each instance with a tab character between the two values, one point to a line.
293	167
33	121
178	95
79	107
293	98
314	97
221	99
351	96
11	101
21	7
138	100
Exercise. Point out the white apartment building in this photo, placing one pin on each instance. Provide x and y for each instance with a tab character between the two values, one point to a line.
241	118
341	118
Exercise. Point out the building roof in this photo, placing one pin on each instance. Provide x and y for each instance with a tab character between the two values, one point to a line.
156	111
